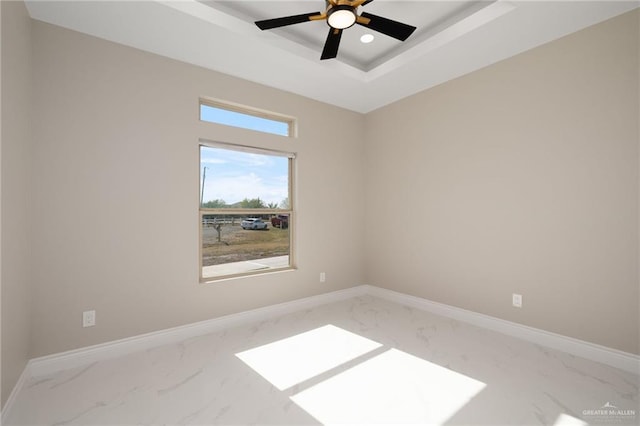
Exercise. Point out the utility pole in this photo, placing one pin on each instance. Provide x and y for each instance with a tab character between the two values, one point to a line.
204	177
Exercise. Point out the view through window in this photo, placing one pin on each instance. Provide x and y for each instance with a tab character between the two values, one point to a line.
246	118
246	213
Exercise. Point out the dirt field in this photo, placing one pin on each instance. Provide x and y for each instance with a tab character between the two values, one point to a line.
238	244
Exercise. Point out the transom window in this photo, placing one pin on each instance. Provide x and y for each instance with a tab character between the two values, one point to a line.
219	112
246	214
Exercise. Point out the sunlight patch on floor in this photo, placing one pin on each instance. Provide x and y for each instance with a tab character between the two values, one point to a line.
393	387
567	420
295	359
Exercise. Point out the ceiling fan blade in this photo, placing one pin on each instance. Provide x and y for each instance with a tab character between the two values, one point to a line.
268	24
386	26
330	50
366	2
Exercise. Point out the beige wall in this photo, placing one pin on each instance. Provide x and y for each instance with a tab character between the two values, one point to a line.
16	169
116	173
519	178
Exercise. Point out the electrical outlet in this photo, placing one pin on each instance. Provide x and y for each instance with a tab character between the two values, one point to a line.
323	277
517	300
88	318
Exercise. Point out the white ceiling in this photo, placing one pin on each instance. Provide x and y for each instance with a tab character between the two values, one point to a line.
453	38
429	18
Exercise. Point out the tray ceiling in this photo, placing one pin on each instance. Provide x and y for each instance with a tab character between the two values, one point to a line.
453	38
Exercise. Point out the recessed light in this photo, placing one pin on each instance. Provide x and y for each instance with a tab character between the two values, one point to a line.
367	38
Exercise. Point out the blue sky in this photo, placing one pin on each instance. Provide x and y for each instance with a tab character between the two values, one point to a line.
245	121
234	175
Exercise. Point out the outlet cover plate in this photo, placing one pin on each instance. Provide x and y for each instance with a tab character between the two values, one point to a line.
517	300
88	318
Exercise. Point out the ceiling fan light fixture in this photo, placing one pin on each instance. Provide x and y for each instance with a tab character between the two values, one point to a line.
341	17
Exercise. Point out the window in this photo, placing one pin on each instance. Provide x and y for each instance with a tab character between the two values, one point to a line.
245	117
246	210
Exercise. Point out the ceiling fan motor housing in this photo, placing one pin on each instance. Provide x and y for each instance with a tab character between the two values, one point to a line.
341	16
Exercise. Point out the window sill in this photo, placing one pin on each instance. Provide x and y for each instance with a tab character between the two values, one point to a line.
247	268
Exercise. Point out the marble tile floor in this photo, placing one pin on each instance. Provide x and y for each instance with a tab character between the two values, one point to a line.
360	361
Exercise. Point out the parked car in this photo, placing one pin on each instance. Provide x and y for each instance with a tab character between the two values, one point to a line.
253	223
280	221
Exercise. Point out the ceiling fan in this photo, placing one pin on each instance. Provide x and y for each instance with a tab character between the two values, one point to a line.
342	14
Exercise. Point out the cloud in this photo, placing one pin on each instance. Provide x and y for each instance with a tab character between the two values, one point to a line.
212	161
236	188
234	175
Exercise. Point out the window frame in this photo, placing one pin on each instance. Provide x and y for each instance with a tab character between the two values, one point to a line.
202	211
290	121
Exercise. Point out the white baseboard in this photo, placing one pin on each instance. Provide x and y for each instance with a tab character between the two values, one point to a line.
87	355
61	361
615	358
83	356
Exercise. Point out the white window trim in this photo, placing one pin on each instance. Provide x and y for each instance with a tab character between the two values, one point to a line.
246	148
